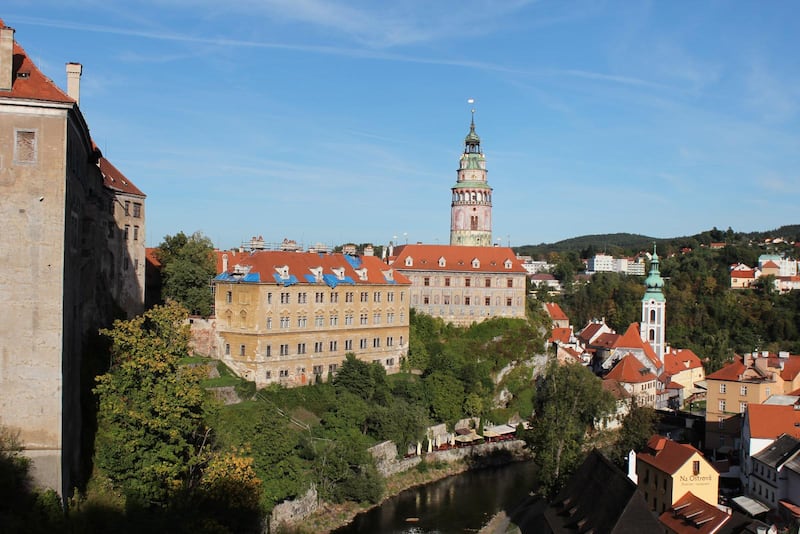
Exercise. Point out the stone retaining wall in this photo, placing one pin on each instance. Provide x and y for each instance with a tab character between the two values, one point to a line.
293	511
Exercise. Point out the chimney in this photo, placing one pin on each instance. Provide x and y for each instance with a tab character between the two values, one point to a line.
6	57
224	263
74	81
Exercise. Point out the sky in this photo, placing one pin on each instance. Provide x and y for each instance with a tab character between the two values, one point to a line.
332	121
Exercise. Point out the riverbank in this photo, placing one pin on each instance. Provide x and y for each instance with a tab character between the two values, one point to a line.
330	516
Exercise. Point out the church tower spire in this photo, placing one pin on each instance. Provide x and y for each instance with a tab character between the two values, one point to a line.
654	309
471	205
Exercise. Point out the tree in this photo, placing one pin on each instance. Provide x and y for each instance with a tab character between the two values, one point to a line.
638	425
187	267
151	432
568	401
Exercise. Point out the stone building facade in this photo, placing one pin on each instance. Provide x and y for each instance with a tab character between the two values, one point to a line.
463	285
57	283
290	318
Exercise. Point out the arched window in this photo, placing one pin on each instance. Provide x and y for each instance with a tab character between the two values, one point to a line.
652	335
652	316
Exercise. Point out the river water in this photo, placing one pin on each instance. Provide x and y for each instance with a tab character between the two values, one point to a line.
461	503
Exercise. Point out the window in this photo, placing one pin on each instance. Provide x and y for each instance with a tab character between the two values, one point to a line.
317	346
376	318
319	297
362	344
269	375
127	231
268	351
334	320
364	296
301	348
487	301
722	405
467	282
426	299
487	282
742	407
348	344
25	146
137	210
127	207
348	297
284	298
229	296
284	322
363	318
466	301
426	281
334	298
743	390
390	317
389	341
332	346
508	301
510	282
401	341
283	373
269	298
722	388
390	296
376	342
376	297
348	319
332	367
136	233
447	281
302	322
227	349
301	298
319	321
284	350
766	391
446	300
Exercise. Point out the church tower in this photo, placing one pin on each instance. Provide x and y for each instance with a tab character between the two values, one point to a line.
471	207
654	309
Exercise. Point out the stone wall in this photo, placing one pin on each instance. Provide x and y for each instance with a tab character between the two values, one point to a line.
203	340
386	460
289	512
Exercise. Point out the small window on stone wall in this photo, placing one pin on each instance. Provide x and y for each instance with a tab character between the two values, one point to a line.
25	146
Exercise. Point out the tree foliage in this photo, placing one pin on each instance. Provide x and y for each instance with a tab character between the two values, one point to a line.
151	429
569	399
638	425
187	268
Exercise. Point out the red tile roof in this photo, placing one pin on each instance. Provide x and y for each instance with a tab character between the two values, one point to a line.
632	339
768	421
666	455
676	361
28	82
615	388
691	514
560	334
631	371
732	371
743	274
589	331
456	258
791	367
114	179
606	339
555	311
265	263
770	265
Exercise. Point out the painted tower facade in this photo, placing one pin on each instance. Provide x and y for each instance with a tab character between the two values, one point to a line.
654	309
471	206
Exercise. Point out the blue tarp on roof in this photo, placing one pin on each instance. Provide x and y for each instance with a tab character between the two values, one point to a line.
251	277
286	282
234	277
354	261
310	278
333	281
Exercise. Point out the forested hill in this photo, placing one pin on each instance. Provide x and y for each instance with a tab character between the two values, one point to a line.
626	244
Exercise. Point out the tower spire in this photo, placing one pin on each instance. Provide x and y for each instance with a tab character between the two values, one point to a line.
654	308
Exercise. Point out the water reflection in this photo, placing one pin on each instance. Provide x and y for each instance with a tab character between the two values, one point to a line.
461	503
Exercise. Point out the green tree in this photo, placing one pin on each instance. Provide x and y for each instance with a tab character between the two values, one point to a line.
638	425
187	267
568	401
151	432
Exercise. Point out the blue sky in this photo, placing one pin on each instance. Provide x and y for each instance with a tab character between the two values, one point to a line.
342	121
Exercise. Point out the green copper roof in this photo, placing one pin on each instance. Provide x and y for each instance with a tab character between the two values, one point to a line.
654	284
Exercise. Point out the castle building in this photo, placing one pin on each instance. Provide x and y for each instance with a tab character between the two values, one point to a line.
654	309
463	285
471	206
62	267
290	318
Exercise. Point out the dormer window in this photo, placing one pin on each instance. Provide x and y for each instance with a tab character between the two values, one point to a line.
507	264
362	274
409	261
442	262
317	272
389	275
476	263
283	272
339	272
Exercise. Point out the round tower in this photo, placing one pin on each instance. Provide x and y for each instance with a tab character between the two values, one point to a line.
654	309
471	206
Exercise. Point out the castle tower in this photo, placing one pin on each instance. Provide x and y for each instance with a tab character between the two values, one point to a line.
654	309
471	207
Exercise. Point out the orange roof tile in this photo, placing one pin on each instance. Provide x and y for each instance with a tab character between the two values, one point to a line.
691	514
631	371
28	82
791	367
743	274
456	258
770	265
114	179
632	339
151	257
615	388
676	361
265	263
606	339
555	311
732	371
666	455
768	421
589	331
560	334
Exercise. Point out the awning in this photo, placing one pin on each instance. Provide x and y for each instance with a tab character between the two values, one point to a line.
751	506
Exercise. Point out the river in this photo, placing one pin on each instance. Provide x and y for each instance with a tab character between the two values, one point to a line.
461	503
